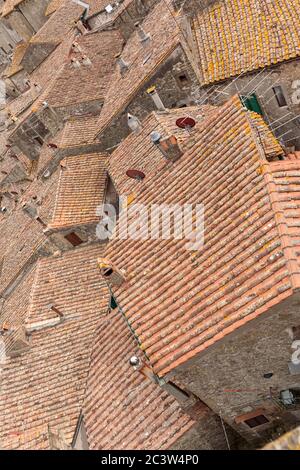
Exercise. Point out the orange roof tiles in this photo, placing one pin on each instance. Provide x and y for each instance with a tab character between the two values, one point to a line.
80	191
138	152
78	131
45	386
164	40
9	6
235	37
123	409
88	82
59	24
53	5
180	302
15	65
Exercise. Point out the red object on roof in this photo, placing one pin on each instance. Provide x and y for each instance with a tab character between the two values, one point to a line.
184	122
135	174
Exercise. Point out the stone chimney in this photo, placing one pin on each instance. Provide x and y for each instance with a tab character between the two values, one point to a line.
144	37
123	66
111	273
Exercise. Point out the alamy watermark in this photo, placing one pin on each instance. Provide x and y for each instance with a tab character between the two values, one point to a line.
152	222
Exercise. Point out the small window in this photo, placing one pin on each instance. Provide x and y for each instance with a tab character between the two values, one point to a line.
113	303
74	239
280	98
182	79
39	140
295	332
256	421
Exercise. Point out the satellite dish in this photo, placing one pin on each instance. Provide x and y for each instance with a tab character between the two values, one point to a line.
185	122
135	174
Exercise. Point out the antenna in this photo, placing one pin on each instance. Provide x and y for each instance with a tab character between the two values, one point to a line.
186	123
135	174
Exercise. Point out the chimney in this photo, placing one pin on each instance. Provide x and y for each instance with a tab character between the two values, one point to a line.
75	63
168	146
144	37
32	212
111	273
134	123
156	98
86	61
123	66
16	341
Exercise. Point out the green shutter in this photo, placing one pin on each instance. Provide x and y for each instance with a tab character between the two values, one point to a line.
251	103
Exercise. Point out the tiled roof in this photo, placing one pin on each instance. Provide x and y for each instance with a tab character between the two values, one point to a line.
234	37
45	386
53	5
289	441
267	139
138	152
164	40
181	301
123	409
15	66
9	6
22	237
59	24
78	131
80	191
97	6
88	82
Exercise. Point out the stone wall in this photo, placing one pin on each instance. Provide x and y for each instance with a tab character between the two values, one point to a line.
286	75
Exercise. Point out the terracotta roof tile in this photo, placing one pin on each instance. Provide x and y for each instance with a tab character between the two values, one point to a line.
45	386
15	65
138	152
236	37
123	409
9	6
80	191
195	298
59	24
53	5
78	131
165	36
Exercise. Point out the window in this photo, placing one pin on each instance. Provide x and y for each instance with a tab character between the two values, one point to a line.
256	421
280	98
74	239
182	79
251	102
113	303
39	140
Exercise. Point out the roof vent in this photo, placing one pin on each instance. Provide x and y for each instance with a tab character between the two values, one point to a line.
3	209
169	147
75	63
135	174
123	66
156	98
134	361
52	146
86	61
110	273
16	341
134	123
144	37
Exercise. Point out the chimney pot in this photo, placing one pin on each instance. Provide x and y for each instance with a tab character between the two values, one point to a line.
134	123
111	273
144	37
156	98
123	66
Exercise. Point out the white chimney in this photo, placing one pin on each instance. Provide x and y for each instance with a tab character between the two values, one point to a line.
156	98
123	66
134	123
144	37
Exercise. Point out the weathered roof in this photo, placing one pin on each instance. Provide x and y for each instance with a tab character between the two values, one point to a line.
15	65
142	61
78	131
237	37
289	441
59	24
9	6
80	191
123	409
138	152
180	300
45	386
53	5
87	82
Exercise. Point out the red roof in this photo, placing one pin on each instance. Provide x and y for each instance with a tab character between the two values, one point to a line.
180	302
